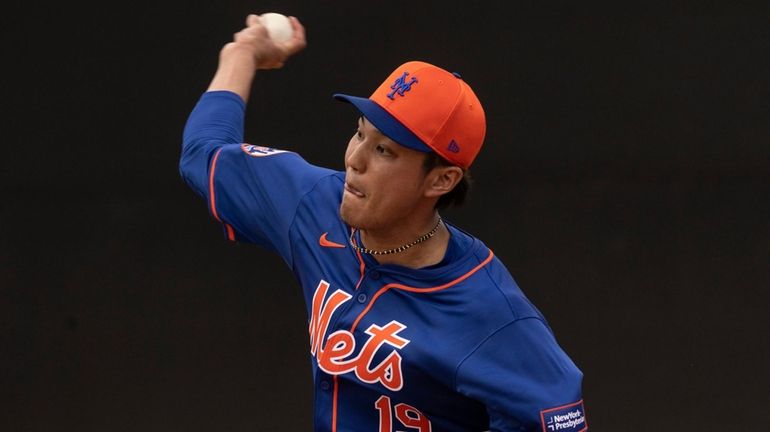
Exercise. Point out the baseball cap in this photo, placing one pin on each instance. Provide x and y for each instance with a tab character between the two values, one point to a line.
426	108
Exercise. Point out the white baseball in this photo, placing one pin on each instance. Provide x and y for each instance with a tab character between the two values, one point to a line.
278	26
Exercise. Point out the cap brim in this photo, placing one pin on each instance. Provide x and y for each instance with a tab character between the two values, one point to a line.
385	123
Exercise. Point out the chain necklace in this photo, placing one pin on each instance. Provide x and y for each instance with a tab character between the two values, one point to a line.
399	249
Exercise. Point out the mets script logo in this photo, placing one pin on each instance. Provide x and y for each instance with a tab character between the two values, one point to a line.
259	151
401	85
335	354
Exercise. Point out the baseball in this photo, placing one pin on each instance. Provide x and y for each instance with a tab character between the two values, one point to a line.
278	26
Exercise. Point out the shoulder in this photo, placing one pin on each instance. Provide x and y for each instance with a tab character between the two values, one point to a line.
493	286
502	285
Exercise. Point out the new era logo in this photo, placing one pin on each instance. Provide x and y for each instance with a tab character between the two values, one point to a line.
453	147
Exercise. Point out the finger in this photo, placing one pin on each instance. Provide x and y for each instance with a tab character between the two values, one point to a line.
252	35
251	20
299	29
243	35
257	29
298	40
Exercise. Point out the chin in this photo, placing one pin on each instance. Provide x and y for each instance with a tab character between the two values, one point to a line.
349	216
357	215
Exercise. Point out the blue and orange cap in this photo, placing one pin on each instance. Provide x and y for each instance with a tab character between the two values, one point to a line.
426	108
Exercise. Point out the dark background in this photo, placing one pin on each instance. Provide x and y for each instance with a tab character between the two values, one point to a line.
624	182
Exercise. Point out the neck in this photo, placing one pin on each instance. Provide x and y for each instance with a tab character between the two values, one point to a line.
428	252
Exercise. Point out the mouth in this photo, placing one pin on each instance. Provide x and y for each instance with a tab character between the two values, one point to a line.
353	191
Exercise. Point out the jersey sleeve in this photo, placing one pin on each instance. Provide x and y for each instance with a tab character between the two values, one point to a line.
253	191
525	380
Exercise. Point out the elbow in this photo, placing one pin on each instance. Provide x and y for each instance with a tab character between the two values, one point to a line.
187	157
184	167
194	162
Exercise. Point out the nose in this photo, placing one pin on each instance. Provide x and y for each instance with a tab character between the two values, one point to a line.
354	157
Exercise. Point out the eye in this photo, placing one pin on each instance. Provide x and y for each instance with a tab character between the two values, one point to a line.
381	149
359	135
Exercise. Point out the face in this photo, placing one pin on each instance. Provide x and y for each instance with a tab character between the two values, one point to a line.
385	182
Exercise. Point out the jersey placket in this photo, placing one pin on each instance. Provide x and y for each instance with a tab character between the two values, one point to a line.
327	387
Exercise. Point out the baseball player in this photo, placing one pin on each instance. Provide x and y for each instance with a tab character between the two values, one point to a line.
414	324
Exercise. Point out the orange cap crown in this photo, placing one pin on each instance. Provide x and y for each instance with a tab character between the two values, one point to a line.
426	108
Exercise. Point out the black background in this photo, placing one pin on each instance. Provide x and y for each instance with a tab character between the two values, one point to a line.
624	182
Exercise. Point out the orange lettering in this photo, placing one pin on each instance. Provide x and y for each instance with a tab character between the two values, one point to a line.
331	354
417	420
322	313
339	345
389	371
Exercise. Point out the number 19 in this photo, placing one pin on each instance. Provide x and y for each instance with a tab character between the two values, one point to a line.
409	416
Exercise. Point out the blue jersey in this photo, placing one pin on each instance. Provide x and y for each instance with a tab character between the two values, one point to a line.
450	347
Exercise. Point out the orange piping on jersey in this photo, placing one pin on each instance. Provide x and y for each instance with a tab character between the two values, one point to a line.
230	231
211	186
362	267
334	406
419	290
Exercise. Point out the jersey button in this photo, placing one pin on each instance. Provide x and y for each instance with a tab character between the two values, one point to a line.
374	274
362	298
324	385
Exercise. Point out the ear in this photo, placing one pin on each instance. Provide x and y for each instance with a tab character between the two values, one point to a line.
441	180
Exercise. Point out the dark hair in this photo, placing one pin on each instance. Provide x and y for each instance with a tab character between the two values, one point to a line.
455	197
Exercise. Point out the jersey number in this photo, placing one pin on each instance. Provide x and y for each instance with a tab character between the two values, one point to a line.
409	416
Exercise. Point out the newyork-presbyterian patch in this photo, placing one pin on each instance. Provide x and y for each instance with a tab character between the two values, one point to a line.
566	418
259	151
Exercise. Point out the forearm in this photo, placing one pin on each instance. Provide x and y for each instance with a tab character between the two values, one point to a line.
237	67
252	49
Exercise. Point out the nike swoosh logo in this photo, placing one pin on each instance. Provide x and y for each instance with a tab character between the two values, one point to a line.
328	243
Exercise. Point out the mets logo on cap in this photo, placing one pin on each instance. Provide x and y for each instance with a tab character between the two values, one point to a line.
401	85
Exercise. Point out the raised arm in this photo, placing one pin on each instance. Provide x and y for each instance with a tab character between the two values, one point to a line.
250	50
217	118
